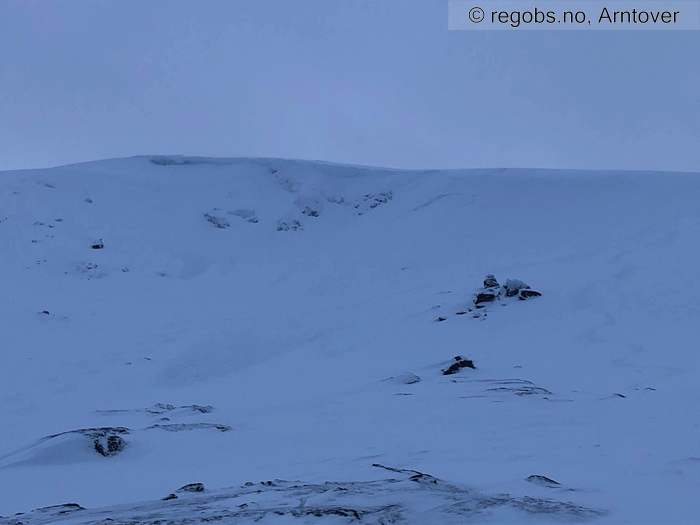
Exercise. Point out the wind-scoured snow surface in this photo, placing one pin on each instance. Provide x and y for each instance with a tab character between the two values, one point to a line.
276	330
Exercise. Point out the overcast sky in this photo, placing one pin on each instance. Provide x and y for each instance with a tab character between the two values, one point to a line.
377	82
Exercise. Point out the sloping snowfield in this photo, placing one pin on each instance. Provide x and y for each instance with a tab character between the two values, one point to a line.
277	331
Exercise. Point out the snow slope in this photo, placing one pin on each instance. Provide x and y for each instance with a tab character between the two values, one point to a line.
258	319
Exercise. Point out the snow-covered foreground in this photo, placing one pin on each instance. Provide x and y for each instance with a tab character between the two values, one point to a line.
173	320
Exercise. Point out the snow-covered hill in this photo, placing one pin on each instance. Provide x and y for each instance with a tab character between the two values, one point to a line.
171	320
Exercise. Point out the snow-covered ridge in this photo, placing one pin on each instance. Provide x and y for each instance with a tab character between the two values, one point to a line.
408	496
170	320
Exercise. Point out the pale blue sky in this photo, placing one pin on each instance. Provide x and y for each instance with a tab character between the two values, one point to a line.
363	81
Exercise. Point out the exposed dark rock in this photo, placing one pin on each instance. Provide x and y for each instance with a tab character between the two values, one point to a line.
192	487
458	363
370	201
160	408
527	293
169	497
440	319
543	481
484	297
59	510
492	291
109	445
202	409
414	475
490	281
93	431
106	441
379	198
293	225
97	245
310	212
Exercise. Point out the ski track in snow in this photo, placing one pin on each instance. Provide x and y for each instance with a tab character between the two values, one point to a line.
249	319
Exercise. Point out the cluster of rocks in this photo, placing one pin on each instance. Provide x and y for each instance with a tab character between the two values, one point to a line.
402	496
106	441
44	225
310	212
369	201
293	225
109	444
493	290
308	207
490	292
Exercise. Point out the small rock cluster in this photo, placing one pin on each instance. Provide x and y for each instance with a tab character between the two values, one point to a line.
310	212
109	445
292	225
369	201
493	290
106	441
